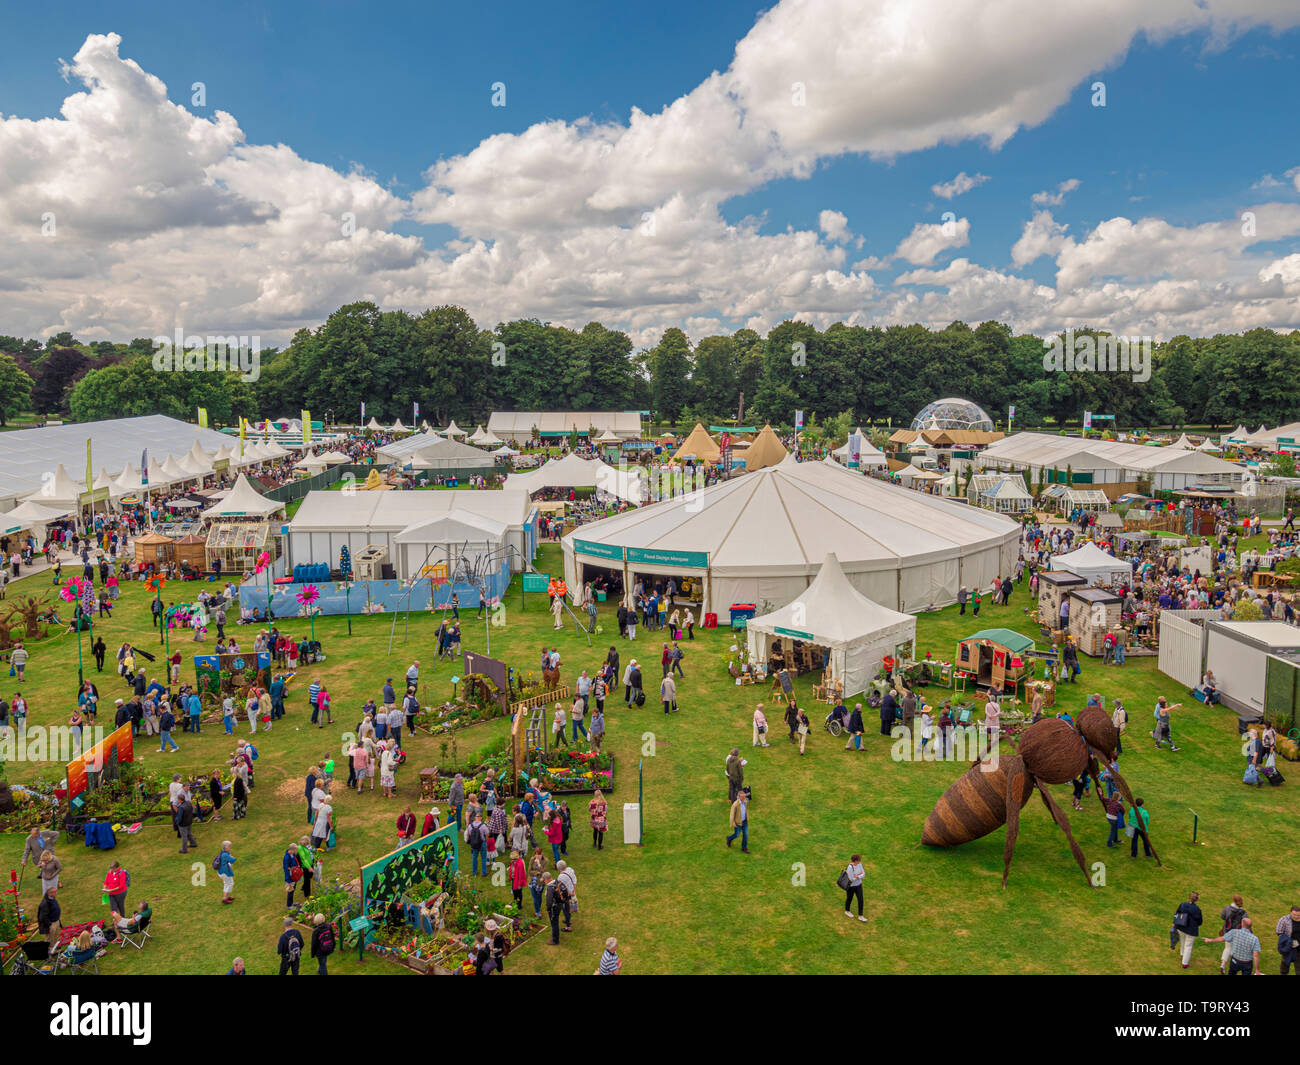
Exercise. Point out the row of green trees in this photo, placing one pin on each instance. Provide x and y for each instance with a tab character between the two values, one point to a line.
454	368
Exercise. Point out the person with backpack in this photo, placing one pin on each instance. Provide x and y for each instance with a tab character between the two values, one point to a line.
322	943
1288	940
476	837
289	948
1231	915
322	708
224	864
557	902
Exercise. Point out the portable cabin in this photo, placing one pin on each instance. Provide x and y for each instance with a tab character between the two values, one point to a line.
153	548
1093	613
192	551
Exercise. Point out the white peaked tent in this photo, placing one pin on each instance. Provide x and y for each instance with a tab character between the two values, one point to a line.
573	471
398	427
31	515
424	425
1095	566
1209	445
272	450
225	453
172	471
505	450
127	481
60	490
1183	444
104	480
374	425
310	462
198	458
453	430
333	458
243	501
831	613
1237	436
868	453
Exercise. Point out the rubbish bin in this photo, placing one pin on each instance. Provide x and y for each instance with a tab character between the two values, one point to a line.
632	822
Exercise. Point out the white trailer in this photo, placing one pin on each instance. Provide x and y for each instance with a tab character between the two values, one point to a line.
1237	653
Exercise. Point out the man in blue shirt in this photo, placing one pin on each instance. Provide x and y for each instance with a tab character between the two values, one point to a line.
196	708
166	723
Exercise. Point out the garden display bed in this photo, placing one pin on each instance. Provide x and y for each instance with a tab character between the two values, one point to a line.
443	952
573	773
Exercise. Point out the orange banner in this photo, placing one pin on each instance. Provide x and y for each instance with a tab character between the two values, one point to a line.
94	759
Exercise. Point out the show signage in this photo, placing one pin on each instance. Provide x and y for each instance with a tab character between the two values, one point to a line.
651	556
797	634
590	547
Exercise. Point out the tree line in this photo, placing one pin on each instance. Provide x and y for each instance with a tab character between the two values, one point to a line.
453	368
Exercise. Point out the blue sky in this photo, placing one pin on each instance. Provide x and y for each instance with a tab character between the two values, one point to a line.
1193	122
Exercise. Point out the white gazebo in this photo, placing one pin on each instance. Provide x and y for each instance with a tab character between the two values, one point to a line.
243	501
1094	565
59	490
868	453
857	633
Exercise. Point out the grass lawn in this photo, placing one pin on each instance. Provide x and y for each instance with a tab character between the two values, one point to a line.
684	902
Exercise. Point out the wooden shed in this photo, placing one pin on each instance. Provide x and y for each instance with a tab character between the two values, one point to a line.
1053	586
153	548
191	550
1093	613
993	658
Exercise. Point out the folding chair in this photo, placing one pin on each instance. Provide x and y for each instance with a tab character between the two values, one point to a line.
81	961
33	958
135	933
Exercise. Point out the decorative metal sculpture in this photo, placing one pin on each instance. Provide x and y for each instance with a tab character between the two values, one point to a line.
1050	752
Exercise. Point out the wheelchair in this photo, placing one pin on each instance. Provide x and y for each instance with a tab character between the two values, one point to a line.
833	724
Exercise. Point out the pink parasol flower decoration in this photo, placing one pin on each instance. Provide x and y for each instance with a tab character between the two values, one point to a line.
263	560
309	594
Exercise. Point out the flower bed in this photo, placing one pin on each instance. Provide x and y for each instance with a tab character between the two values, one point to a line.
571	772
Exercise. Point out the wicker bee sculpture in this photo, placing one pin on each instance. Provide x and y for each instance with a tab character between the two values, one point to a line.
1051	752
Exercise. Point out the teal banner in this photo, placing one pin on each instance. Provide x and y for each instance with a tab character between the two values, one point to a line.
650	556
589	547
795	633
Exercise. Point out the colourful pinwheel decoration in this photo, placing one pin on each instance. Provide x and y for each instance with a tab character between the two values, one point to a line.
156	583
71	591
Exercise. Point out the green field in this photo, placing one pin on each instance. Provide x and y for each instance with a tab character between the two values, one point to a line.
684	902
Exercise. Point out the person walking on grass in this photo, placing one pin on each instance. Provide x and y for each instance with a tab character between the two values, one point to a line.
1187	923
289	948
851	880
738	820
558	737
1288	940
1243	949
224	864
1139	820
322	943
855	728
668	694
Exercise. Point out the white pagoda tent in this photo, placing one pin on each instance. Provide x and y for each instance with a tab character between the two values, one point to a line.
243	501
1094	565
857	632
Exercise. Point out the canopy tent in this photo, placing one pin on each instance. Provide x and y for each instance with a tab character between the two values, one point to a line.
1094	565
31	515
272	450
310	463
193	469
1183	444
436	453
699	445
334	458
198	458
1237	436
766	450
831	613
573	471
172	471
761	537
59	490
505	451
916	473
868	453
374	426
482	436
398	427
243	501
608	437
453	430
1209	445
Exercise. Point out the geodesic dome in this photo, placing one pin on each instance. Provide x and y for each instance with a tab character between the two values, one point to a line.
953	413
